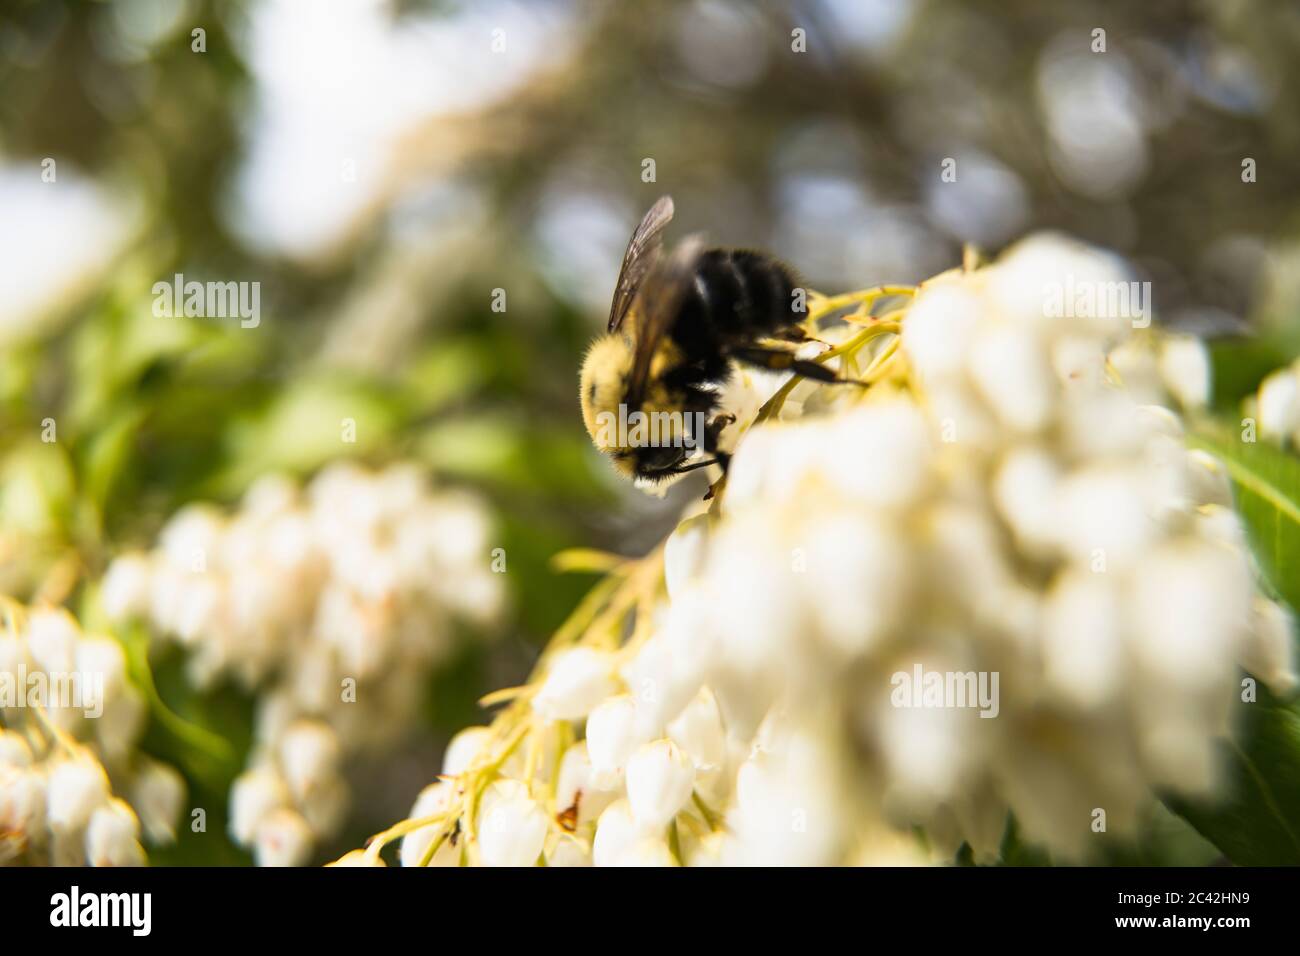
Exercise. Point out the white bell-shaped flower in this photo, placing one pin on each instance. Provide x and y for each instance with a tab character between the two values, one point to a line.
576	681
660	778
77	788
613	733
512	826
112	836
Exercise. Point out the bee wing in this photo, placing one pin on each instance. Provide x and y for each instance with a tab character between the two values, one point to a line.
660	298
641	255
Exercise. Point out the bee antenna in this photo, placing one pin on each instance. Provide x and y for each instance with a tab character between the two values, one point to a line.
698	464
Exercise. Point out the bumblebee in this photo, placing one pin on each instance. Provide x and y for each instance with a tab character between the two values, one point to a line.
649	387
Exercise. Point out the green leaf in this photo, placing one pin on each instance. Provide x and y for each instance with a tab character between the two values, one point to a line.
1258	821
1239	365
37	489
108	454
526	459
1015	851
211	752
445	373
1266	485
312	421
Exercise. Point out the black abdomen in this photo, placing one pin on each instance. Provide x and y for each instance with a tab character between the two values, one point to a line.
737	296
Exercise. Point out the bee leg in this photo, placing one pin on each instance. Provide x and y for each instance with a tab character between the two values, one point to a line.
713	431
778	361
819	373
723	460
801	337
797	335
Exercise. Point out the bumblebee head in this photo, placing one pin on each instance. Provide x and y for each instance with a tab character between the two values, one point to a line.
602	386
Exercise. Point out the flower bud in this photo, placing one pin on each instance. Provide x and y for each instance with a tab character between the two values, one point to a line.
119	726
1185	369
125	592
432	800
22	809
157	795
684	554
254	794
612	735
1012	374
574	785
52	639
309	755
576	681
193	534
112	836
615	832
698	731
1101	509
101	659
660	778
1083	639
1269	652
844	552
77	788
1279	404
669	668
14	749
512	826
883	454
1188	606
283	839
463	748
1024	490
198	608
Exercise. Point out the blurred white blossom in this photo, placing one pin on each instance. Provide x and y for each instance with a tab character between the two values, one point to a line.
1277	405
332	605
70	723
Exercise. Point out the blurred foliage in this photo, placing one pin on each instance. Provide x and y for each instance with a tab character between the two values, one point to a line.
1163	839
1266	485
829	157
1257	822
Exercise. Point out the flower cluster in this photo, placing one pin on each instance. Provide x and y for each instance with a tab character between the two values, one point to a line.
1277	405
994	581
71	723
333	605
